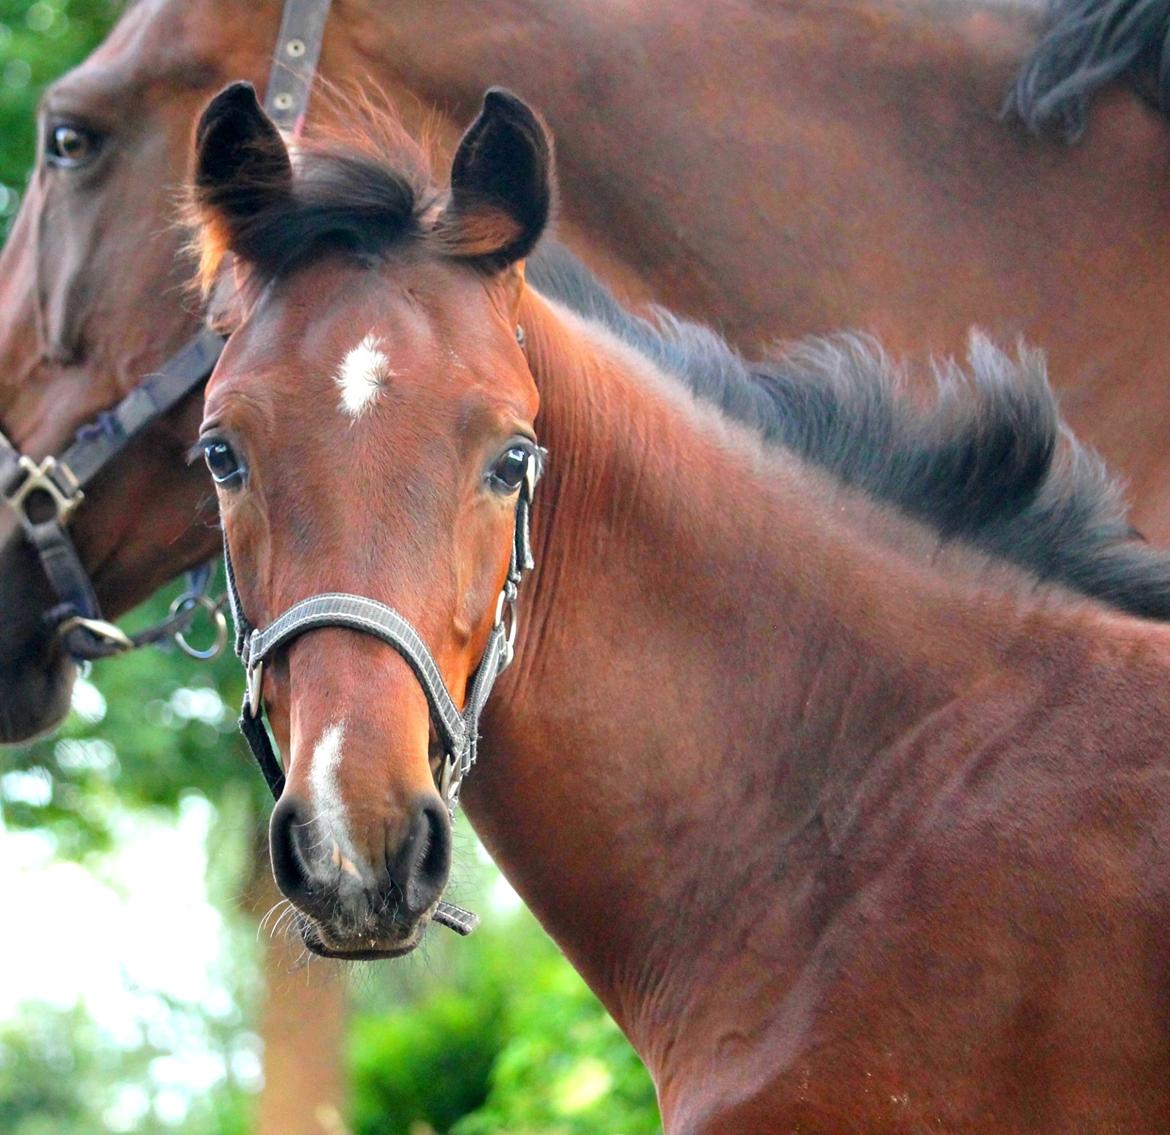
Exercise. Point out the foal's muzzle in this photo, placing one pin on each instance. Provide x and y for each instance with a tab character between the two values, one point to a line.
360	907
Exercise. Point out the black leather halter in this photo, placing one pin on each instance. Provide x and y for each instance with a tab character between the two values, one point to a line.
458	729
45	495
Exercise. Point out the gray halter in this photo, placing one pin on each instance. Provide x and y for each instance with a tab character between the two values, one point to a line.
458	729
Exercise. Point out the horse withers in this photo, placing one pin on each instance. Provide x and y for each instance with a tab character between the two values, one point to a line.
814	757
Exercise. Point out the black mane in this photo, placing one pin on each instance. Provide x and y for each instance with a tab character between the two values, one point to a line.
1087	45
988	463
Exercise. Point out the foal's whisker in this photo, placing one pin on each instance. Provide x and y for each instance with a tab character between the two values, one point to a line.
263	923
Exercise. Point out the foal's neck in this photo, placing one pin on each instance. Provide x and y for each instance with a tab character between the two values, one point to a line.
709	660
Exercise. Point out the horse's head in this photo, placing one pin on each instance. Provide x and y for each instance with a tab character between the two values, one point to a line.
369	428
92	297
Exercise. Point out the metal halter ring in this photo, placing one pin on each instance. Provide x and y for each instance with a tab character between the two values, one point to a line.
196	601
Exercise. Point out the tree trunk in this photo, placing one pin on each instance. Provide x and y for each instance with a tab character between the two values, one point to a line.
301	1023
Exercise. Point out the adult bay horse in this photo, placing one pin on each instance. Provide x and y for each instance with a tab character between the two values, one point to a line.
863	137
855	821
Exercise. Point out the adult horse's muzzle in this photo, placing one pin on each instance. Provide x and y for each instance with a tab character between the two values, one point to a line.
36	675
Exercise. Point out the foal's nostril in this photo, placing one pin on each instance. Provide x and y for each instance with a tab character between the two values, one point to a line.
421	866
289	840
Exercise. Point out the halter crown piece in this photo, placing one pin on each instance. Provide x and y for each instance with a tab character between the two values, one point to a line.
458	729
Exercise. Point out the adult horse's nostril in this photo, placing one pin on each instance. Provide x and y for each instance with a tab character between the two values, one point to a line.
290	841
423	861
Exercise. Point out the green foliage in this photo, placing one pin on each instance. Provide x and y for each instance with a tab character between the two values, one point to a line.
59	1074
428	1064
510	1039
39	39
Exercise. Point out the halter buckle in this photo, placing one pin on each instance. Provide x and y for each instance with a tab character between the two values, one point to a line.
47	477
506	617
450	781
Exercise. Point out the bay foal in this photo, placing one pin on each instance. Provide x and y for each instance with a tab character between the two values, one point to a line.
853	826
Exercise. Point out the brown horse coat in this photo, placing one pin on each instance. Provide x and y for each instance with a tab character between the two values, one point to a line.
851	828
776	169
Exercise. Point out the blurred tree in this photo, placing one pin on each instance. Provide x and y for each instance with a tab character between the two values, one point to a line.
60	1075
39	39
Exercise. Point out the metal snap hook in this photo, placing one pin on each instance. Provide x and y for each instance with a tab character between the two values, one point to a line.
255	683
99	628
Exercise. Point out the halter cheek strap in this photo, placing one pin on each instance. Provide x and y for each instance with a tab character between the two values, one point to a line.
458	729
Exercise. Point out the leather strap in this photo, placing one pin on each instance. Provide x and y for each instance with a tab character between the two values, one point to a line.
77	616
100	441
298	49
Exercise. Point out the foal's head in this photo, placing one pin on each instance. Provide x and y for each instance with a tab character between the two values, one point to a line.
368	428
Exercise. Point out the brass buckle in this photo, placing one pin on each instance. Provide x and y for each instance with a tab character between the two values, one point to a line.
39	478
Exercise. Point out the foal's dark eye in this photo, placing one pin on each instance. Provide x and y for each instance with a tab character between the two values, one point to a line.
226	468
507	474
70	147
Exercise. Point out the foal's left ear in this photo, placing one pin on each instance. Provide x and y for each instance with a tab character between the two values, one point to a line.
502	184
241	165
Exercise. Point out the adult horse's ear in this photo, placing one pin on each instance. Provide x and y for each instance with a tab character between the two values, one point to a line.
502	184
241	165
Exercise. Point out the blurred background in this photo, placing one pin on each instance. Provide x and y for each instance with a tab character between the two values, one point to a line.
146	980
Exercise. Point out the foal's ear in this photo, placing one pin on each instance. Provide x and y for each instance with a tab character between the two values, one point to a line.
502	184
241	165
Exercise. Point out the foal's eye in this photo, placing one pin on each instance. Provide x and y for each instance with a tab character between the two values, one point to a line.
70	147
507	474
226	468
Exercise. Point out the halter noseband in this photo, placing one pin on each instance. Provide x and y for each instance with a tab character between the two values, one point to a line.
45	495
458	729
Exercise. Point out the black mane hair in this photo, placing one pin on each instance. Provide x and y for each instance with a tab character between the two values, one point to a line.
989	462
1087	45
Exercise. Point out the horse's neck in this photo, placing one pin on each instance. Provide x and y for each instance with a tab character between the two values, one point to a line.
675	76
708	660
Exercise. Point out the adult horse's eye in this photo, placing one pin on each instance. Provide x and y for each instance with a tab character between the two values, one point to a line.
70	147
507	474
226	468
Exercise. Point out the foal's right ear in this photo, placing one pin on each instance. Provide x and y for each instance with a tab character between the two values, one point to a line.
241	165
